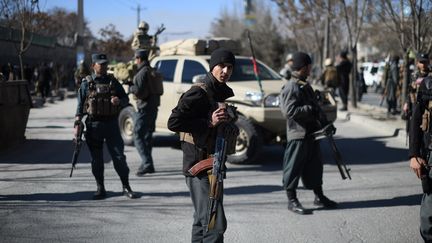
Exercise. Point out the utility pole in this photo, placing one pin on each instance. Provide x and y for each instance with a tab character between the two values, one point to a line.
80	33
138	14
138	9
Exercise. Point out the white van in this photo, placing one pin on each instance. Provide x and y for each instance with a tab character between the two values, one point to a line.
373	72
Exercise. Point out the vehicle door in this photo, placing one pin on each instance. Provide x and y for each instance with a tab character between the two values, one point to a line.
190	67
168	68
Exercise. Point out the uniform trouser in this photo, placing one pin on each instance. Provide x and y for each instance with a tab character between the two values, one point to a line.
426	212
108	131
302	159
343	93
199	191
143	135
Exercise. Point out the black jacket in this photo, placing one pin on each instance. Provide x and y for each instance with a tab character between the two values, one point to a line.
417	136
192	115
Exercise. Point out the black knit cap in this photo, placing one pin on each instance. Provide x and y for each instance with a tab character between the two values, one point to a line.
300	59
221	55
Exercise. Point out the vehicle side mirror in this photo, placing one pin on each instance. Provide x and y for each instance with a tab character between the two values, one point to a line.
198	78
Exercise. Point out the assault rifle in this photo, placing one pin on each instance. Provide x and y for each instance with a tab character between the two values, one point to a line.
216	177
328	131
78	142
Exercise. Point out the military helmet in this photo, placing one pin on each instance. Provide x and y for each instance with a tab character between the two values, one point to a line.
143	25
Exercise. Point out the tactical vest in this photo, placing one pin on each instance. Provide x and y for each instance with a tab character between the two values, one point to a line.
211	139
98	101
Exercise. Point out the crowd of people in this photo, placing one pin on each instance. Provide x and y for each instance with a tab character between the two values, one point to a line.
44	80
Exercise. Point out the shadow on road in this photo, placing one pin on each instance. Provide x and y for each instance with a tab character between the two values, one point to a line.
410	200
35	151
368	150
87	195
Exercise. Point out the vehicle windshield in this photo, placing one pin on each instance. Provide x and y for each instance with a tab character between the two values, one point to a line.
243	71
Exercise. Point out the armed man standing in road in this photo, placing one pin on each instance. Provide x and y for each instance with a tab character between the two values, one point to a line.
420	148
197	118
422	66
147	90
344	70
302	157
101	98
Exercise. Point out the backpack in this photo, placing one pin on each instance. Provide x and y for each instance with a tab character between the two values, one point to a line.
330	77
154	84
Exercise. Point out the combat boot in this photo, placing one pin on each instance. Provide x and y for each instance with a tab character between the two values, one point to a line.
294	205
127	191
100	192
323	201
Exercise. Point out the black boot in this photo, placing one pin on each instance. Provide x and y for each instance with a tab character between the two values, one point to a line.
323	201
294	205
100	192
127	191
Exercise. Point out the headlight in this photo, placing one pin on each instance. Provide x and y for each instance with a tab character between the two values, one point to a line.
254	97
271	101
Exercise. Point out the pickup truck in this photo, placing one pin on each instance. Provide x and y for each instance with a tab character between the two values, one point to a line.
260	119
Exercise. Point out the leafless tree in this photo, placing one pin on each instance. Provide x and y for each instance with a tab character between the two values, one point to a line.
20	14
411	21
354	14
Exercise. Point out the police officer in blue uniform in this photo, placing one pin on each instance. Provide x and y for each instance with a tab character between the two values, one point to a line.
101	98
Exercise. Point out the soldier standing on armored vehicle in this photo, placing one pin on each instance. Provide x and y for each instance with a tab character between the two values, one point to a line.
101	97
142	40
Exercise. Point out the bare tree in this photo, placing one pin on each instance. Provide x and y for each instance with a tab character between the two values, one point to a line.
306	21
113	44
354	17
411	21
20	14
269	44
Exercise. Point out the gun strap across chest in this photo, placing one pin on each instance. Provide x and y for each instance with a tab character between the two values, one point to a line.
185	136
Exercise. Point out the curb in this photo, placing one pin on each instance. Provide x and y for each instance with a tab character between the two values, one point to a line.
375	118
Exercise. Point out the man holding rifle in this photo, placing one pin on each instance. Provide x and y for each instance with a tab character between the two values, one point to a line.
198	117
302	159
100	98
420	147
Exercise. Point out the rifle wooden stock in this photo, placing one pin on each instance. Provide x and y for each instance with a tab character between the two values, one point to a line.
201	166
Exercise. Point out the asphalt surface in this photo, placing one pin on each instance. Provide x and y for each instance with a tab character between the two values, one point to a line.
40	203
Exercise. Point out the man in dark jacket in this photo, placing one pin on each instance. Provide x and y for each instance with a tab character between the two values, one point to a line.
145	118
420	148
343	71
304	116
196	117
392	84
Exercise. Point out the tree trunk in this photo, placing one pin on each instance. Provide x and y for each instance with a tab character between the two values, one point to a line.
406	78
353	80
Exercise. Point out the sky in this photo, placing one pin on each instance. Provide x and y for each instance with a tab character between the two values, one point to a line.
182	18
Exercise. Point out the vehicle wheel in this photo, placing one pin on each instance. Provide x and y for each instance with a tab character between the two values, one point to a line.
126	123
248	144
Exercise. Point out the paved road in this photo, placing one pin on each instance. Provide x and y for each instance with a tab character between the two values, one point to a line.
40	203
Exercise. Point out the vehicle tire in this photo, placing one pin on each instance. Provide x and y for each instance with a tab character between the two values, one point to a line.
249	143
126	124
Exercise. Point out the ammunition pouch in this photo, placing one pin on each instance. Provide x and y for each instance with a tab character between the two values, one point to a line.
98	101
